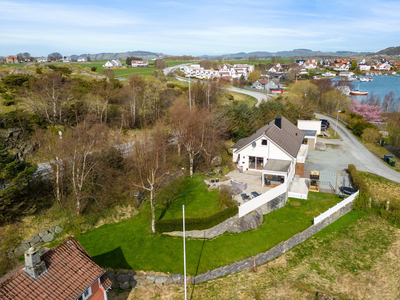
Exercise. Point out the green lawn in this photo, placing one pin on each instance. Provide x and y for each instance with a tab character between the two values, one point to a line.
198	201
129	244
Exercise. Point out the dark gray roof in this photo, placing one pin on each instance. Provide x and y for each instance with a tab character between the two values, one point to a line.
277	165
289	138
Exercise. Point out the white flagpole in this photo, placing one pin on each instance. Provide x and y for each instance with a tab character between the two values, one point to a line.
184	250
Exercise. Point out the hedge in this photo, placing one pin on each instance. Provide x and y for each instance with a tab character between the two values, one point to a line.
358	182
196	223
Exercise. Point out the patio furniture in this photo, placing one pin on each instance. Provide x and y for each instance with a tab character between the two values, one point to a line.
245	196
267	181
217	180
255	194
239	185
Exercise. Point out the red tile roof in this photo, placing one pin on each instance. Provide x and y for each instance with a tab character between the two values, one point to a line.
70	271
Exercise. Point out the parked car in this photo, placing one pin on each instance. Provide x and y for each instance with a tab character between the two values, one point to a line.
324	127
325	122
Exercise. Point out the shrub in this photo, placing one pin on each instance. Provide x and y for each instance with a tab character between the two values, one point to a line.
196	223
358	182
358	125
8	102
225	198
371	135
93	69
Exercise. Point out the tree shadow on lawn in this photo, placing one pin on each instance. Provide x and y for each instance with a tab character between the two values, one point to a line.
198	265
114	259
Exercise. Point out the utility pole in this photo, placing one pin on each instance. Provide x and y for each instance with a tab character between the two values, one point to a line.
184	251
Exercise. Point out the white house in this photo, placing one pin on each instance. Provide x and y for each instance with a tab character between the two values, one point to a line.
364	67
139	63
383	66
112	63
273	151
341	67
82	59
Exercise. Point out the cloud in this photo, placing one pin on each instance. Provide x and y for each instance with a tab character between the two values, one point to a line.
71	15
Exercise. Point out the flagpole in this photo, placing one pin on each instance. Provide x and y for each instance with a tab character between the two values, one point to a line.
184	251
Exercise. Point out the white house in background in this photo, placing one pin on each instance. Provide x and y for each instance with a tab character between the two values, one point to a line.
311	129
273	151
82	59
364	67
310	64
341	67
383	66
227	71
139	63
112	63
66	59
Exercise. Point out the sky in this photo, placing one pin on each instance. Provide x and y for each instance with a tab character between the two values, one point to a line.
198	27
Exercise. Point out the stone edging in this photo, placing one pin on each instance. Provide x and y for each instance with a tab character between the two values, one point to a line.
131	280
35	241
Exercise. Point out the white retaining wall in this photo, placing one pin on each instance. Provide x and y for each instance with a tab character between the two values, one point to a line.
297	195
336	208
261	200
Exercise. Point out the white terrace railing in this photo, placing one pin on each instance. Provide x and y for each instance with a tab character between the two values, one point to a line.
302	155
334	209
258	201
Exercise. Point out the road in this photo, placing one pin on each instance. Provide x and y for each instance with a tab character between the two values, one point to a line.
364	159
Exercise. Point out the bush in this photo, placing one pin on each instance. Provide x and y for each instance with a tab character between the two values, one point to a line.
225	198
93	69
358	125
358	182
371	135
196	223
8	102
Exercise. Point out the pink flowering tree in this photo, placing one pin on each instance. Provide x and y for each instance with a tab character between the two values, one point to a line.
370	113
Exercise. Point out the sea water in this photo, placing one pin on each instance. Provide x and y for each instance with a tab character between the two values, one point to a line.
379	87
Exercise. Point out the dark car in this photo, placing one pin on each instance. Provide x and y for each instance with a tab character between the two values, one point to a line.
325	122
324	127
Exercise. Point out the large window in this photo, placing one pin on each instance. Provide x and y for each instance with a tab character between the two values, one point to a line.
256	163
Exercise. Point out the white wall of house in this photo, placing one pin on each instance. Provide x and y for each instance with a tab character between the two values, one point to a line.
269	151
309	125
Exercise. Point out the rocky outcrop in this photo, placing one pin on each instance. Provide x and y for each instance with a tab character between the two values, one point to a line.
247	222
13	138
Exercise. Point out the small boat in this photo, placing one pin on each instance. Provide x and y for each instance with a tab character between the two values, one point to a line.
357	92
370	79
364	79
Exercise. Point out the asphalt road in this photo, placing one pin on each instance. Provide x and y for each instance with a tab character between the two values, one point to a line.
363	158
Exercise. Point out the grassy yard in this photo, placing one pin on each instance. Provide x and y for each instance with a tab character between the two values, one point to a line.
129	244
356	257
381	188
194	194
251	101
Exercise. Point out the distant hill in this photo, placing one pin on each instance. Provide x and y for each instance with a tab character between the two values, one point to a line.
283	54
390	51
124	55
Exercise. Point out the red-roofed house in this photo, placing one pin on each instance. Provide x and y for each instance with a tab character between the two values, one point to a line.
64	272
12	60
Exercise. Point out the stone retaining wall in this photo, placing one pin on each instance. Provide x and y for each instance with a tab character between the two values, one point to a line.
131	280
274	252
35	241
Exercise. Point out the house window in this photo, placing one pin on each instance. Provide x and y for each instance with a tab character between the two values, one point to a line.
256	163
264	142
86	294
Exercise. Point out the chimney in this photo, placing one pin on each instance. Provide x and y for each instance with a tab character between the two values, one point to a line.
278	122
34	266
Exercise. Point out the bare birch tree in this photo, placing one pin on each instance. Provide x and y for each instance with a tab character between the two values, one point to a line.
150	164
